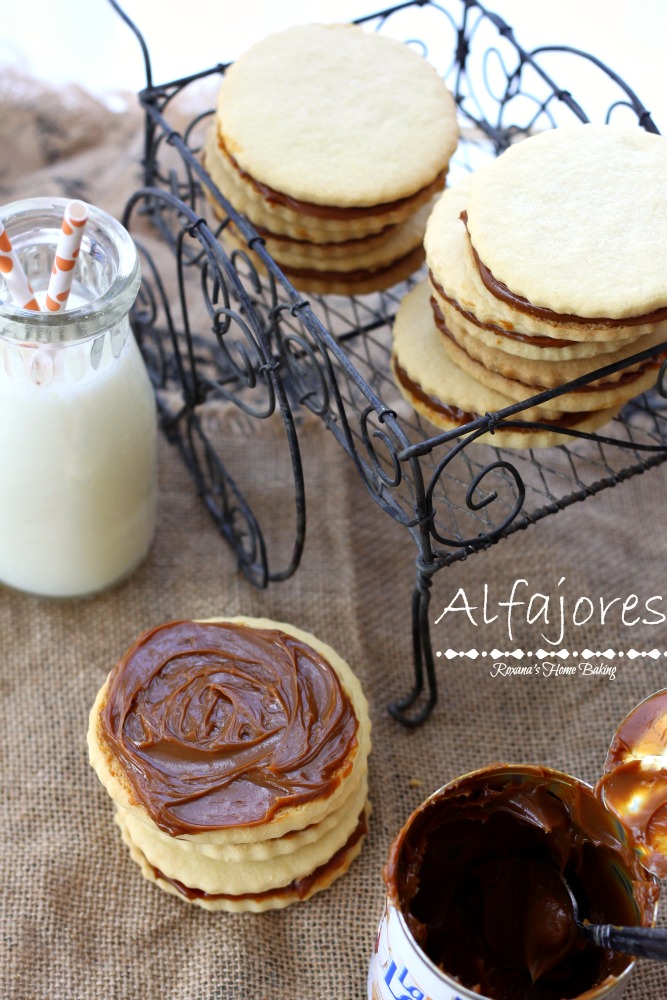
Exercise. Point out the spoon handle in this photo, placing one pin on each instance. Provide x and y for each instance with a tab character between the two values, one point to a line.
644	942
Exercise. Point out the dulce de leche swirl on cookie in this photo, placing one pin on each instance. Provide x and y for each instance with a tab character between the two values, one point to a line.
219	725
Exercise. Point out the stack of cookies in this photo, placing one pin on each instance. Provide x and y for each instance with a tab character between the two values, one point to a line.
235	752
544	266
333	142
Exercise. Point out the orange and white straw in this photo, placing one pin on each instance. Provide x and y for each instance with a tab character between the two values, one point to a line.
67	251
15	277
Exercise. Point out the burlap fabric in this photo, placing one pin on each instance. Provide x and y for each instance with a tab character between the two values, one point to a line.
76	918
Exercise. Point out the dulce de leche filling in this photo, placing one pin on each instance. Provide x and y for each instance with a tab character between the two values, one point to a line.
218	725
478	875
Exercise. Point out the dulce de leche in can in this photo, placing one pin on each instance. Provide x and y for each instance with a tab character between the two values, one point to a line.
477	892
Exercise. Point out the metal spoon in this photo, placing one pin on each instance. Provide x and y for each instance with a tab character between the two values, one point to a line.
642	942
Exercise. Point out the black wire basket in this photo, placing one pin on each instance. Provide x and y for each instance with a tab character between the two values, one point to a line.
239	332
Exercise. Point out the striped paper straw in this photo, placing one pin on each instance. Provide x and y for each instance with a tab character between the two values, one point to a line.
14	275
67	251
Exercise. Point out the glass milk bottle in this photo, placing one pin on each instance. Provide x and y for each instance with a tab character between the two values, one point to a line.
77	414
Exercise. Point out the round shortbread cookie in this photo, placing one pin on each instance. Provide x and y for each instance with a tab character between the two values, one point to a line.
546	372
335	115
452	262
575	220
443	244
403	239
568	328
253	903
418	350
290	817
285	220
248	853
513	437
523	345
333	282
610	394
376	279
187	862
301	252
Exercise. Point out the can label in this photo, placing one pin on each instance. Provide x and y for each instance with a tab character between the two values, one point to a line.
398	970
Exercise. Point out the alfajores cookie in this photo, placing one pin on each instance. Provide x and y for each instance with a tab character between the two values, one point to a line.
450	396
509	267
460	276
236	753
298	890
573	220
329	134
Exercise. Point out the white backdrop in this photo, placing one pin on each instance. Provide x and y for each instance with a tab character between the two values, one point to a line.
85	40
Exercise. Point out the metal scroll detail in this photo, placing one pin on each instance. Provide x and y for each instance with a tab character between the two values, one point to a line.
239	338
502	88
209	353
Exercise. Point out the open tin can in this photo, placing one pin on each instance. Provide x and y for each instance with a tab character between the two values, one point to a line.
474	884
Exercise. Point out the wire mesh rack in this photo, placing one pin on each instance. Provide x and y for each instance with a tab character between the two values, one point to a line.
238	332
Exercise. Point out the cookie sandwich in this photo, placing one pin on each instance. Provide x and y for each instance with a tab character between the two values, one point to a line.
235	752
334	142
544	266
